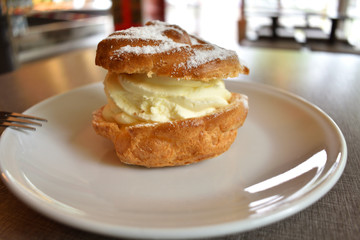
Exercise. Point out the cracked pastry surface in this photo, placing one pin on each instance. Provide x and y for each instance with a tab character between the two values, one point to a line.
166	50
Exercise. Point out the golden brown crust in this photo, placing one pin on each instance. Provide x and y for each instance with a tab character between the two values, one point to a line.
166	50
178	142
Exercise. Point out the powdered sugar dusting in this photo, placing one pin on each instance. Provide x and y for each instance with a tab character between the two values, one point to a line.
203	56
155	33
194	40
151	32
163	47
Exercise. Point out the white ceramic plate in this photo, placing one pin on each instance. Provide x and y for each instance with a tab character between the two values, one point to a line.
288	154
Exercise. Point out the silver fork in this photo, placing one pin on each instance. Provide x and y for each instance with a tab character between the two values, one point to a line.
19	120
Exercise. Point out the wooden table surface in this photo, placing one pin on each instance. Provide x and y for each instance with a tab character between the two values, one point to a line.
330	81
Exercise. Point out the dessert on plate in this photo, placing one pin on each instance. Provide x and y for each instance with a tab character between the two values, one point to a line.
167	101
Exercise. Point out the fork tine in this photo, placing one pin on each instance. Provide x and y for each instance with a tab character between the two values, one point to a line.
15	125
21	120
13	114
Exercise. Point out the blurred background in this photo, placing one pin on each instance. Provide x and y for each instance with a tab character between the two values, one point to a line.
35	29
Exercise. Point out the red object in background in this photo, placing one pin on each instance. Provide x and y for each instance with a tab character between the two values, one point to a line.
130	13
126	13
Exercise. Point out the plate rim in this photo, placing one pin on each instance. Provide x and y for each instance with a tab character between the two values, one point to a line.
211	230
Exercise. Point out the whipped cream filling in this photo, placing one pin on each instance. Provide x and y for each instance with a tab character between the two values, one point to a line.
135	98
